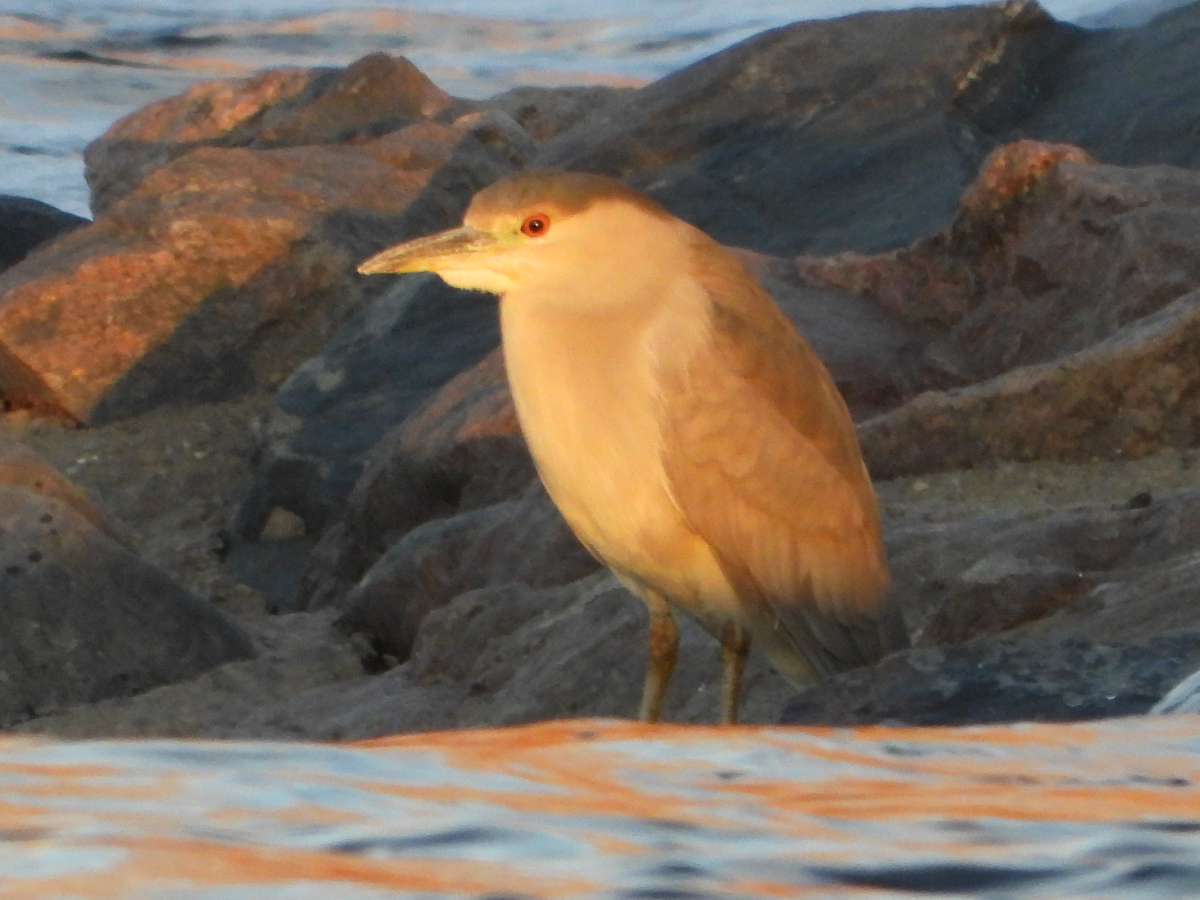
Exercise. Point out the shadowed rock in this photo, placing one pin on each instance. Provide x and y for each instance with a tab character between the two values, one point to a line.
1129	96
1081	614
26	224
547	112
86	619
521	541
510	653
336	406
858	132
461	451
1112	573
1060	680
1130	395
21	468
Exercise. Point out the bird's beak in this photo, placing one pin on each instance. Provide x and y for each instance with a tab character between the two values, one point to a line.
429	254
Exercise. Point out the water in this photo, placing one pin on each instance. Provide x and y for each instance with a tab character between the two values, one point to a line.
608	809
70	68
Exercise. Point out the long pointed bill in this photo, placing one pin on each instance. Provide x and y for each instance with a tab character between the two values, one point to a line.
428	254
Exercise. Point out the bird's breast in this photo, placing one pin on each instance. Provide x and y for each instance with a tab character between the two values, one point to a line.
585	391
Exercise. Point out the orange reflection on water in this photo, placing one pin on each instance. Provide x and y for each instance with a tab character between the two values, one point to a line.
564	809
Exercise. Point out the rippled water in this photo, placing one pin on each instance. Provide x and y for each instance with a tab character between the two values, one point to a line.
608	809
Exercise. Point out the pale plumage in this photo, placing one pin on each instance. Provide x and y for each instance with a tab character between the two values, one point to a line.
688	434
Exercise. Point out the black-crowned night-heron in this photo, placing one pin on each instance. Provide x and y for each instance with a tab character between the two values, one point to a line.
690	437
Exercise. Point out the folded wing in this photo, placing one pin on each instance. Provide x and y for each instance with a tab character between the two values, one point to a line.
762	460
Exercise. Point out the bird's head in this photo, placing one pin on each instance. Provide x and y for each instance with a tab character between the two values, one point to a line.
539	229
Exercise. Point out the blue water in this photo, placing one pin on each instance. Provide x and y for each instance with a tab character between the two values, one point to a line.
606	809
72	68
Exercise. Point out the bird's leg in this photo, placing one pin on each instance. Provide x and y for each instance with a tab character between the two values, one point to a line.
663	645
735	645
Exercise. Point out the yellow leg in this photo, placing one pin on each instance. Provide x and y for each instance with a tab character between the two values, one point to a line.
735	645
663	645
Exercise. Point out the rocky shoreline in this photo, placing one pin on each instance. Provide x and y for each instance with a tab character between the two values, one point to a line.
247	492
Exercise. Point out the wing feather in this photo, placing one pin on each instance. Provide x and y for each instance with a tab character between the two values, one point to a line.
762	459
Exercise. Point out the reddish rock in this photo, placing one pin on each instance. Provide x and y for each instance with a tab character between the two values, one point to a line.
1128	396
375	95
1048	254
282	107
220	113
940	278
223	269
1060	296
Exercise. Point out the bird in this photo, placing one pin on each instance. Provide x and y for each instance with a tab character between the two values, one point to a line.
688	434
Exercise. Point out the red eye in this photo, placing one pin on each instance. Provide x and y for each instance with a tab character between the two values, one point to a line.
536	225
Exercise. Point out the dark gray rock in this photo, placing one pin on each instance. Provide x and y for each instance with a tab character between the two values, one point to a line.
26	224
461	451
1129	97
21	467
1002	591
85	619
379	368
1130	13
522	542
1082	614
546	112
859	132
509	653
1002	680
1110	573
